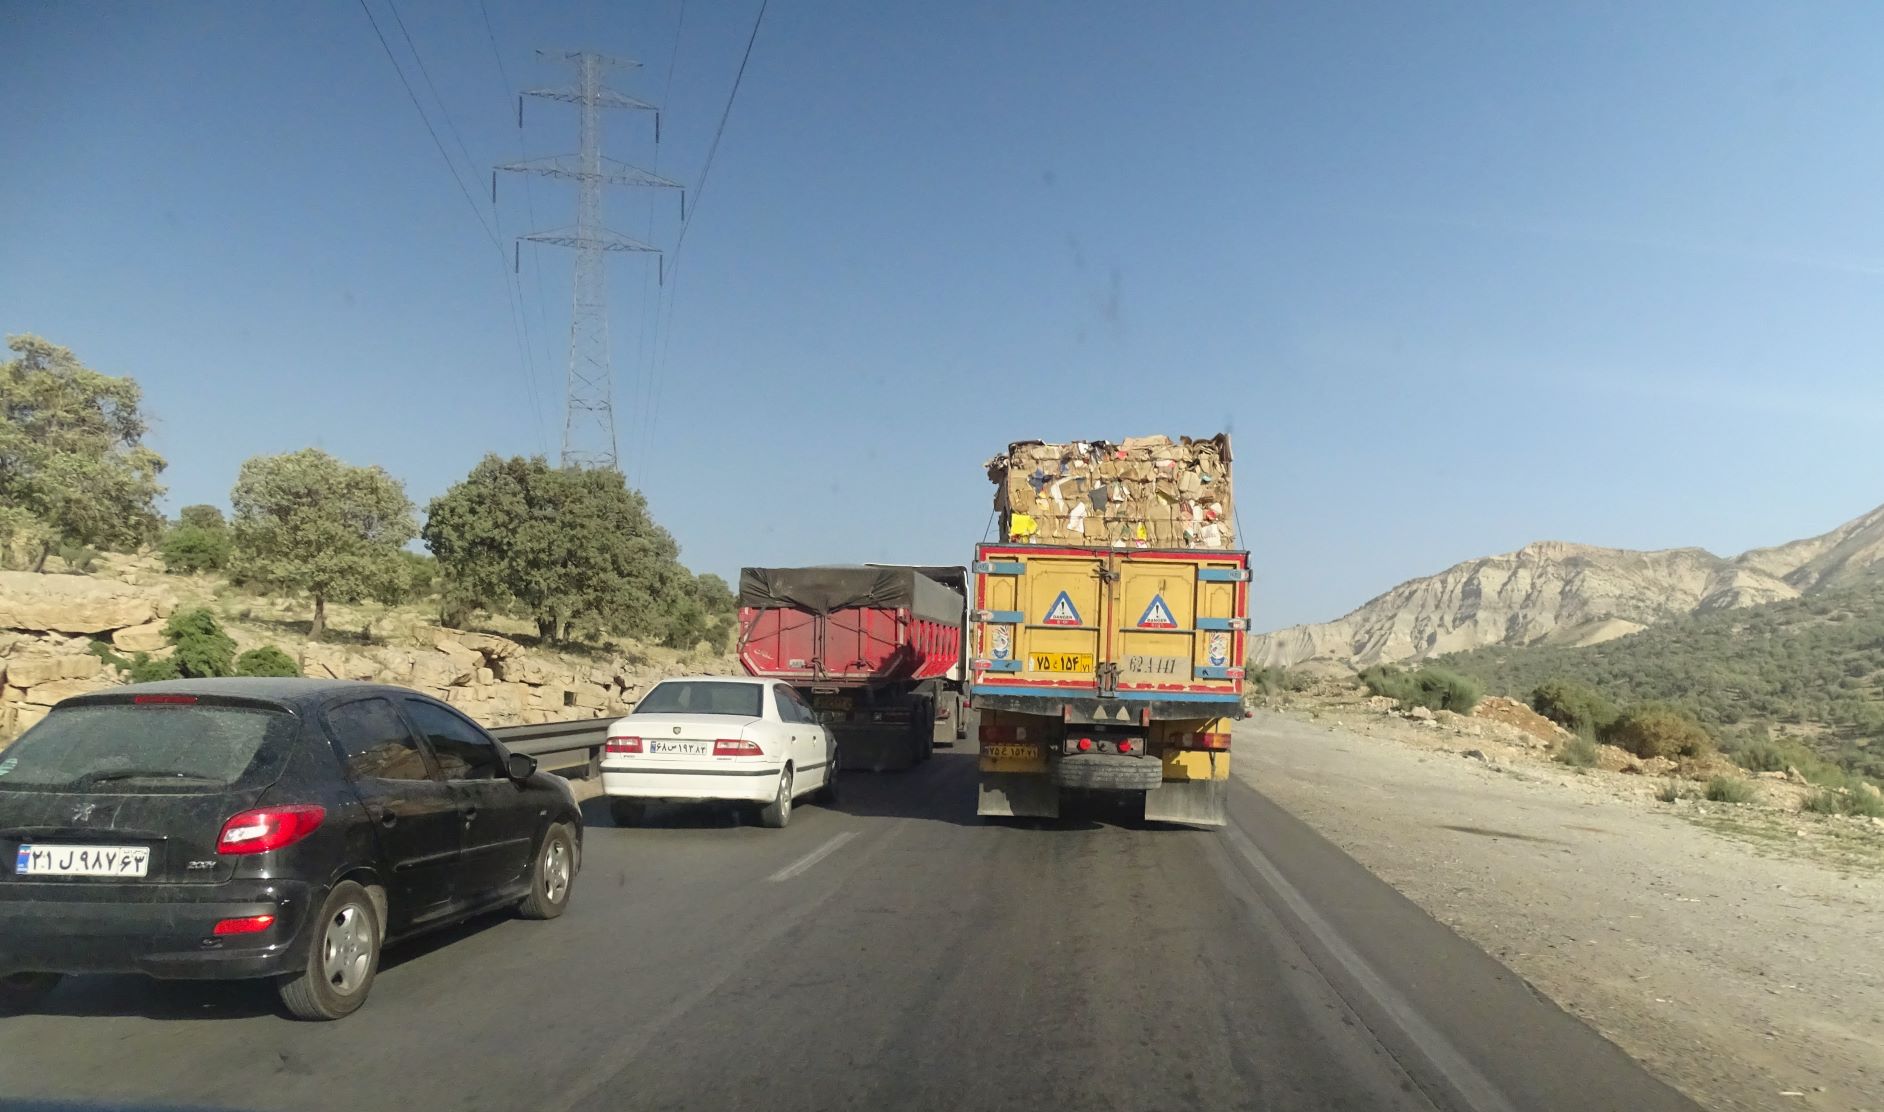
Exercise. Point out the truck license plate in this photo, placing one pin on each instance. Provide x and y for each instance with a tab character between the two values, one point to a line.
1011	752
1062	662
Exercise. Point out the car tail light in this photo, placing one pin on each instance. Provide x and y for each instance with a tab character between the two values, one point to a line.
1213	741
1125	746
252	924
161	700
622	745
269	828
726	747
1085	745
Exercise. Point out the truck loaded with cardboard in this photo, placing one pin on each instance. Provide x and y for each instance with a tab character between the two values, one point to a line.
1109	627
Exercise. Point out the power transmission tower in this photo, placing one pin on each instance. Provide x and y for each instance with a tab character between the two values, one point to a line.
589	416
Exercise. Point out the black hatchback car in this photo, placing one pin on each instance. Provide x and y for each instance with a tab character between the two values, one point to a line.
263	828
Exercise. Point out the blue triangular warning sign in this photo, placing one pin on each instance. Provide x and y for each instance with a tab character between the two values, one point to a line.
1157	615
1062	612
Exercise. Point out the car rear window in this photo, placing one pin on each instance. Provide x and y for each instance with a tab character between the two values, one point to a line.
694	697
124	748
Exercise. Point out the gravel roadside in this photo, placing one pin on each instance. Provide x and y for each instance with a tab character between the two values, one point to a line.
1748	979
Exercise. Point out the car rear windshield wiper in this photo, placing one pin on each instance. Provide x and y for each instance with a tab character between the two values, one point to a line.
109	775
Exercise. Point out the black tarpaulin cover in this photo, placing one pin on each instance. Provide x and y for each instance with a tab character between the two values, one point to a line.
821	590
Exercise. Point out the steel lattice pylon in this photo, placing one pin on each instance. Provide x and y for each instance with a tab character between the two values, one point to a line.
589	413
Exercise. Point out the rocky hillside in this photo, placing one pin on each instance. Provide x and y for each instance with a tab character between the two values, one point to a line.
1556	593
48	624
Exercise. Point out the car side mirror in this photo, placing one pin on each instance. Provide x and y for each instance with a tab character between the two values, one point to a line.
521	766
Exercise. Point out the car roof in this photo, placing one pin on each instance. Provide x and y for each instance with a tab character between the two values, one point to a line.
287	691
715	679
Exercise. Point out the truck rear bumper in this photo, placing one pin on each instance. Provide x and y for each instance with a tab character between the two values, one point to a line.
1107	772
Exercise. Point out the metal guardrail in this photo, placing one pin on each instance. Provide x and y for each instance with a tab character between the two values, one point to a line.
573	749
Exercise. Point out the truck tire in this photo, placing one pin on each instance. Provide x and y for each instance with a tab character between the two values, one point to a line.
1108	772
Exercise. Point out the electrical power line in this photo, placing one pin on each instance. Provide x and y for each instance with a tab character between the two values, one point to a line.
429	130
529	189
648	343
512	298
673	284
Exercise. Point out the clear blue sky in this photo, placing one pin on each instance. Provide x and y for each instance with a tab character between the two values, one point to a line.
1457	278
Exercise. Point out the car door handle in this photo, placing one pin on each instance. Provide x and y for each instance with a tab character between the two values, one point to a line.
469	814
389	818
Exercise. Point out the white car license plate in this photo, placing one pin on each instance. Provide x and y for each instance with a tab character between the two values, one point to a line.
45	860
682	748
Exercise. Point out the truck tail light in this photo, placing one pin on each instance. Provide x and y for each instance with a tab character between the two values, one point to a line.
1213	741
1125	745
269	828
1085	745
622	745
726	747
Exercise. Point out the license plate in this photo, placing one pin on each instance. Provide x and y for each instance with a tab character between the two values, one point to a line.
1011	752
831	702
1062	662
682	748
45	860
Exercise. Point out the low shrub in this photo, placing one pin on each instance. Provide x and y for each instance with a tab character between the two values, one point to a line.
1729	789
1576	707
1848	801
1658	730
1670	792
1431	687
203	649
145	668
1578	752
266	661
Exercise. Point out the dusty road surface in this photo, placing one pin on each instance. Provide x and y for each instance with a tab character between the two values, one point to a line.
893	952
1744	971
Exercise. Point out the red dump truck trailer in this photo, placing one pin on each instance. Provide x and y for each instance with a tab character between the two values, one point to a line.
876	650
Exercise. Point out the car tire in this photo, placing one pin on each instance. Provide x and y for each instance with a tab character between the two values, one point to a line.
627	812
22	992
553	877
342	957
777	813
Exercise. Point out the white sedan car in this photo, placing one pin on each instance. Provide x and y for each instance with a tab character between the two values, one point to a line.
718	739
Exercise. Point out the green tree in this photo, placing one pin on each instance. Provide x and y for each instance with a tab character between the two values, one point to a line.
192	548
266	661
202	517
72	451
573	550
203	649
307	522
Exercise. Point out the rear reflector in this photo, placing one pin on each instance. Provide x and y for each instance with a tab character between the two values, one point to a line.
1085	745
1125	746
269	828
623	745
254	924
159	700
727	748
1213	741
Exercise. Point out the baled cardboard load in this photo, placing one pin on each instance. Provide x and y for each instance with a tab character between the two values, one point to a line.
1144	492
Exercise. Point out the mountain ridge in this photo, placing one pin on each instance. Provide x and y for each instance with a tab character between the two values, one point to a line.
1563	592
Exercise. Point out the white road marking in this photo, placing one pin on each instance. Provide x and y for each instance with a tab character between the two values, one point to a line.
812	858
1474	1087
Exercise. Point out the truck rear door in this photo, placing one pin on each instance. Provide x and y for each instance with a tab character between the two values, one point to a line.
1110	623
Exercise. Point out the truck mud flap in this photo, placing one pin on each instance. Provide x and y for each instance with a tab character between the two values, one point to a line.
1191	802
1018	795
869	751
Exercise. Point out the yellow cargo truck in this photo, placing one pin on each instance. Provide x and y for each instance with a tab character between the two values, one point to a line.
1116	664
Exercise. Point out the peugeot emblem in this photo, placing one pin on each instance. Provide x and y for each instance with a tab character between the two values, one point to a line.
676	729
83	812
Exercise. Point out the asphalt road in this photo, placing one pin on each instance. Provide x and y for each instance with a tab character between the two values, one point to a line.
893	952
